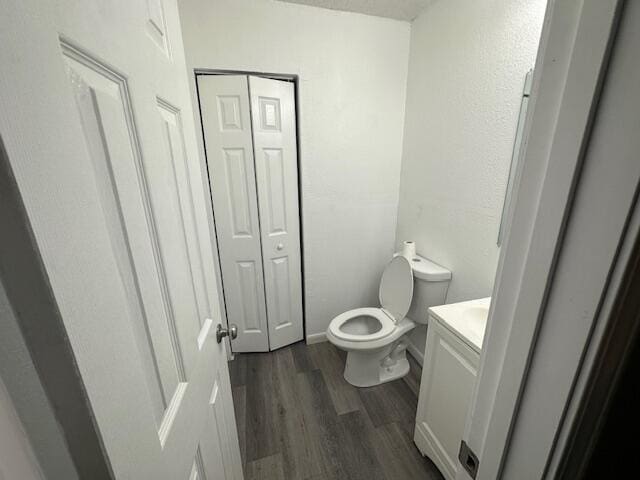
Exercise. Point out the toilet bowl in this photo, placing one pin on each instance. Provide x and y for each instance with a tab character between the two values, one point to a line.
375	339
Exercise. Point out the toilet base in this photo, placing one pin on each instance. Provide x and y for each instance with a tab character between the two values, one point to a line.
374	367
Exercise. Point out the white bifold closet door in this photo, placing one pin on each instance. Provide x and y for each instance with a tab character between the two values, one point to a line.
250	141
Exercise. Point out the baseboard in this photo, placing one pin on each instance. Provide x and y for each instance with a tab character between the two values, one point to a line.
415	353
316	338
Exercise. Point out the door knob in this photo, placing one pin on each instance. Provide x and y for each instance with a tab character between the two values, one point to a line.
222	332
280	246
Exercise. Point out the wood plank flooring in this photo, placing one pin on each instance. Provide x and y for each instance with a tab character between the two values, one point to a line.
298	419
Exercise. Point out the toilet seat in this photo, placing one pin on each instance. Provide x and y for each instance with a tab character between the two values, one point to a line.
396	292
387	325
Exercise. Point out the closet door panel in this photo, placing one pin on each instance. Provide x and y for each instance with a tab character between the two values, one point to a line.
276	166
224	105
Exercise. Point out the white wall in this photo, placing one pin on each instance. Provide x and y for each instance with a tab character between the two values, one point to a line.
467	66
352	76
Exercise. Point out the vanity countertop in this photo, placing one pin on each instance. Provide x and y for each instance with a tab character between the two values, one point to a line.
467	320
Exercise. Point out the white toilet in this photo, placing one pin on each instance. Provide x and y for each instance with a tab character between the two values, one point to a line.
375	338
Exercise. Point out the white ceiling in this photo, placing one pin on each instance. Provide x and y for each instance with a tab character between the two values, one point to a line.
399	9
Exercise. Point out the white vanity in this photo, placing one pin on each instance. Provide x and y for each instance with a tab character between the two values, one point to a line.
452	354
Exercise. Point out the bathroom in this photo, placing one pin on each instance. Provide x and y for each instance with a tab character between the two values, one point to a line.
316	239
423	114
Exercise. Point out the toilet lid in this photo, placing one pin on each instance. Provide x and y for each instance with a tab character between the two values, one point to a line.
396	288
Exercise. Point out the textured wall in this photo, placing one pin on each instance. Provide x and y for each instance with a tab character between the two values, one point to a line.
467	66
352	70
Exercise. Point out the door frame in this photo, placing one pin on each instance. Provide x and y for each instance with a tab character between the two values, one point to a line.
292	78
17	458
577	42
41	374
605	361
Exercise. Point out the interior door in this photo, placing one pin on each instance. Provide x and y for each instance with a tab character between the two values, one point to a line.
226	120
276	158
97	125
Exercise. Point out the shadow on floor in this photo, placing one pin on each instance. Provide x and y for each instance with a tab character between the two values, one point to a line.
299	419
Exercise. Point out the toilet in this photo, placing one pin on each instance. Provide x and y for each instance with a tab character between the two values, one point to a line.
375	339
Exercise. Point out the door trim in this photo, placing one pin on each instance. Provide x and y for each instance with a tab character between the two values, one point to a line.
572	60
604	360
293	78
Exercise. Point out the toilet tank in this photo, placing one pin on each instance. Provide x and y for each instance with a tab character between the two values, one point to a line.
430	284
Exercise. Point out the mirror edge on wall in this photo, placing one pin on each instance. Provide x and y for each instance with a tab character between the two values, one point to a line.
515	155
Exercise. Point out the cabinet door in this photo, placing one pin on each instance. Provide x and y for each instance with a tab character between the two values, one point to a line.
448	376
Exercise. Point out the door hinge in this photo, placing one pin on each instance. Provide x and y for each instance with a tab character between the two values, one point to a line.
468	459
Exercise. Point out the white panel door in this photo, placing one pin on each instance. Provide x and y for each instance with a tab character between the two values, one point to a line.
275	151
97	124
226	120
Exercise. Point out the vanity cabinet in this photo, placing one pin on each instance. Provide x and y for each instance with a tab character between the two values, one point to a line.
448	376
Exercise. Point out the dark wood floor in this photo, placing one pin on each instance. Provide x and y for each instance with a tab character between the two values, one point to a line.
299	419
